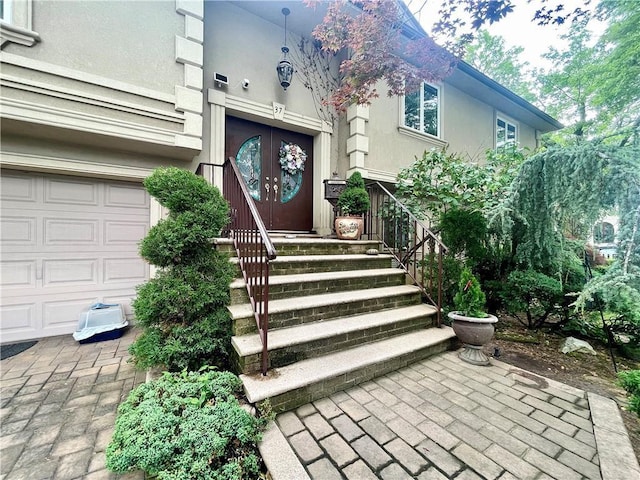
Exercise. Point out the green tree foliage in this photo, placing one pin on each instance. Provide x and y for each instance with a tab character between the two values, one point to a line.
618	75
185	426
578	183
630	381
568	89
490	55
183	308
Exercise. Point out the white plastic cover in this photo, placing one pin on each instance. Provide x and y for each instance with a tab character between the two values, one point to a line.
100	318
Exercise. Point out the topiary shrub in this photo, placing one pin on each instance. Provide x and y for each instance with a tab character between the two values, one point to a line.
470	301
354	200
187	426
183	308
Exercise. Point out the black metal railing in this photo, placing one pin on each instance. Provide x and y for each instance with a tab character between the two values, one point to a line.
415	247
253	247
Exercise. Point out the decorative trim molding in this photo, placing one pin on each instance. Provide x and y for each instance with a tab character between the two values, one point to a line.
16	34
57	70
89	99
58	117
264	111
358	141
74	167
425	137
379	175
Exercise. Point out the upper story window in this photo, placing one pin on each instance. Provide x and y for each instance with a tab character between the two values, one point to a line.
422	110
506	133
15	22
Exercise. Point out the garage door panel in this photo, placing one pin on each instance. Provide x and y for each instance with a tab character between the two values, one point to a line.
71	192
126	269
122	195
19	320
70	231
18	188
18	274
124	233
70	272
19	231
65	313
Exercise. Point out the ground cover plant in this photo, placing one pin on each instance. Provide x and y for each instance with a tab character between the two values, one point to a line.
182	310
187	426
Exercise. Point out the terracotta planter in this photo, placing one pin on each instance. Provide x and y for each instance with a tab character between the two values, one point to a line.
349	228
474	333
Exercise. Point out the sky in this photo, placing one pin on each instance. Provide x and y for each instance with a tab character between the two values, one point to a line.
517	28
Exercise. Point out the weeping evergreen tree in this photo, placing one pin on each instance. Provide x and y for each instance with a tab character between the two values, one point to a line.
561	192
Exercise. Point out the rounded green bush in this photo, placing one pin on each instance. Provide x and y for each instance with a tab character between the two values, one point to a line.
187	426
180	190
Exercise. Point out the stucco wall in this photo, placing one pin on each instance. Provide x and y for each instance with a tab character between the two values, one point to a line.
121	40
467	127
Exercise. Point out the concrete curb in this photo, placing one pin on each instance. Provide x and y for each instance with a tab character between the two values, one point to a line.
616	455
278	456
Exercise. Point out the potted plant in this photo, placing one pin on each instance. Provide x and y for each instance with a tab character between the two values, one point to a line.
471	324
352	203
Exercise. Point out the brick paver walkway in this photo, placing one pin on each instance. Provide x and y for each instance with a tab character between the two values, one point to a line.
58	405
436	419
442	418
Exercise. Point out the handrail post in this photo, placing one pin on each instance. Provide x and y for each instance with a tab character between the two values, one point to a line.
407	245
254	249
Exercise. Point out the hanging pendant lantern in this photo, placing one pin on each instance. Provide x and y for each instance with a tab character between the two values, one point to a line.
285	67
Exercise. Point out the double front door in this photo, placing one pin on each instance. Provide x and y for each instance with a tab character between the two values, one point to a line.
281	187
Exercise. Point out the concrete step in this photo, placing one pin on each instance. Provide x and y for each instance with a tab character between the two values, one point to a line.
304	284
296	264
308	245
289	345
290	312
308	380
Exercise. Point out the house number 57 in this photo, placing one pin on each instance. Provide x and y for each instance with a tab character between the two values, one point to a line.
278	111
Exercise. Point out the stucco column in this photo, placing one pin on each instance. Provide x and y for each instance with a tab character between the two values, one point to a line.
321	171
217	99
358	141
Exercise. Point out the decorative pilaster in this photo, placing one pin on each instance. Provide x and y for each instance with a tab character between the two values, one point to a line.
190	53
358	141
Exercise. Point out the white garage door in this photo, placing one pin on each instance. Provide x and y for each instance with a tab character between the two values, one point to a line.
66	243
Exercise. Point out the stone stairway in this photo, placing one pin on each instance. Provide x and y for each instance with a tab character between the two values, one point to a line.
337	317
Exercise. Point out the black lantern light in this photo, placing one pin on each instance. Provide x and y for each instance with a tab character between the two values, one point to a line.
285	68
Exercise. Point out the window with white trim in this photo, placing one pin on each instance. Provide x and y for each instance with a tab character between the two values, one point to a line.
421	110
16	21
506	133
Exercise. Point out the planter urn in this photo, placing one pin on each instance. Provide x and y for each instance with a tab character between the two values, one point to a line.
349	227
474	333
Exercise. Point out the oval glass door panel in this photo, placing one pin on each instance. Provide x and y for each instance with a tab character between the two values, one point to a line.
249	160
289	182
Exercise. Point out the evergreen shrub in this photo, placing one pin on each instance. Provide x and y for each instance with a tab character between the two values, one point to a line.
183	308
630	381
470	301
354	199
187	426
533	294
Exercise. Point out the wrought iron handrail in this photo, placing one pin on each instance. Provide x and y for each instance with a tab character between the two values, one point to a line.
253	246
415	247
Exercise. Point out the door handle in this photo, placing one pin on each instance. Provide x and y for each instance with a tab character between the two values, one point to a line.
267	187
275	192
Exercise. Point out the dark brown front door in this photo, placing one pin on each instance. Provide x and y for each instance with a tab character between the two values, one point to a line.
284	199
